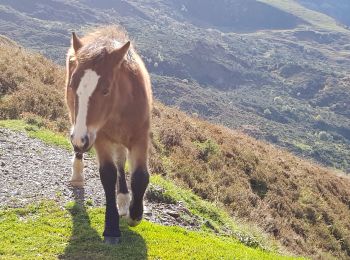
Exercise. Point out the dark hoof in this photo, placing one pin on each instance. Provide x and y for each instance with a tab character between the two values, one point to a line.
132	222
135	213
111	240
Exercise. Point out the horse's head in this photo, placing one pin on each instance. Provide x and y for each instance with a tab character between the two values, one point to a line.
91	76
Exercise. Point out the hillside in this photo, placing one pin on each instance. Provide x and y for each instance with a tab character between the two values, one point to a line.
43	217
273	69
337	9
304	206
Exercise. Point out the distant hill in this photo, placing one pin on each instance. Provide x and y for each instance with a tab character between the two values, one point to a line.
339	9
303	206
233	16
274	69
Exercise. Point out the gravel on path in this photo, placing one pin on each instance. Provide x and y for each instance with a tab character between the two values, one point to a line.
32	171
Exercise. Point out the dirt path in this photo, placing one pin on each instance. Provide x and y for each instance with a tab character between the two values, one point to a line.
31	171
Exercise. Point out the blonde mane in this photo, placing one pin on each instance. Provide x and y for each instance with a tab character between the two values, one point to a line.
99	40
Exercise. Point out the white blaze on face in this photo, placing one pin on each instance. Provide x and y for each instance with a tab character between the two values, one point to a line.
87	86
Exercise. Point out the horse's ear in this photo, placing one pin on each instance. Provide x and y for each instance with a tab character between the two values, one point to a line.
76	42
118	54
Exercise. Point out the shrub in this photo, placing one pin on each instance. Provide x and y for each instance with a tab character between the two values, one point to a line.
31	88
207	149
324	136
160	195
267	112
259	187
33	119
278	100
170	137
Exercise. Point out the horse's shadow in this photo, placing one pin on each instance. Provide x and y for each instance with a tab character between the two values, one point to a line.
86	243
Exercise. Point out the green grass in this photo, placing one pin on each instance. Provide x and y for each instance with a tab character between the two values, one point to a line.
46	231
34	131
302	146
215	218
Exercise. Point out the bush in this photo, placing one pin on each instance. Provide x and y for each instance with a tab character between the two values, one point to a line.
207	149
31	89
324	136
170	137
33	119
267	112
158	194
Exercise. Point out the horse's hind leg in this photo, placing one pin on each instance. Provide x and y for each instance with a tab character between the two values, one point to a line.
77	178
123	197
108	175
139	181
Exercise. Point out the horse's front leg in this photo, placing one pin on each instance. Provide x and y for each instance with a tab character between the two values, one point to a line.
123	197
77	178
108	175
139	181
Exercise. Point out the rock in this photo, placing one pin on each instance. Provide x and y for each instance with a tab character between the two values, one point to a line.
173	214
147	213
15	193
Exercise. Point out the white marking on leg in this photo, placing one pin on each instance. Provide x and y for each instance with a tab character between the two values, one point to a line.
123	201
77	178
86	88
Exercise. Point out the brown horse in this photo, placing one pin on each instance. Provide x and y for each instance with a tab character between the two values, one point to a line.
109	97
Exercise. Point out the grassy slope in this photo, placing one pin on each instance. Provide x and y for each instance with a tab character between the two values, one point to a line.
290	198
336	9
48	232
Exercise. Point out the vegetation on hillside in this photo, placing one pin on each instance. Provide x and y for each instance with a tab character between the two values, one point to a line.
30	75
304	206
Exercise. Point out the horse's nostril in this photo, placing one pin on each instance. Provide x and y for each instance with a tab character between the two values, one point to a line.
85	142
76	149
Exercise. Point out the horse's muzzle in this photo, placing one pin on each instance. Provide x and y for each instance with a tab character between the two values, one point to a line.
82	145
